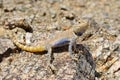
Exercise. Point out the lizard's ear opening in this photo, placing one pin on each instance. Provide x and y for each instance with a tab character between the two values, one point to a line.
78	33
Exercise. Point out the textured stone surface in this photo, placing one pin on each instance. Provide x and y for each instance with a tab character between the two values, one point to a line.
48	17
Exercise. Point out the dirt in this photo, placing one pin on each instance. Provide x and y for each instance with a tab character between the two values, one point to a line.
47	17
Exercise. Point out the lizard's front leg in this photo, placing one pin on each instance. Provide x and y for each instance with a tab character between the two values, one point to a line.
72	45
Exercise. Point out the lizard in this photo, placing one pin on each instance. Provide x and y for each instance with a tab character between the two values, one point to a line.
67	37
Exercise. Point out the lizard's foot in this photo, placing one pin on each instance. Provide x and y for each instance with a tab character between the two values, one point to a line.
52	68
74	58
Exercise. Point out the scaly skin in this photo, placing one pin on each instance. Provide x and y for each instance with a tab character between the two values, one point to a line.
30	48
56	40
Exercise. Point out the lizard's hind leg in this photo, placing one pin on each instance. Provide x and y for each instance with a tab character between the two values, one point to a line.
50	59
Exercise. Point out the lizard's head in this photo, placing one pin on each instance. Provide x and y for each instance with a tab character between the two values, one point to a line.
80	28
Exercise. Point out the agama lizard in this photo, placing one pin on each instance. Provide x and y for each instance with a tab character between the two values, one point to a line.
67	37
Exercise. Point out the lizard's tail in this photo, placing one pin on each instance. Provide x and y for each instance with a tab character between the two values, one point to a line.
25	47
29	48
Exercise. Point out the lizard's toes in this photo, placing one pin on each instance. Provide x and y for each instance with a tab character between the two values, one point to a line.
52	68
75	59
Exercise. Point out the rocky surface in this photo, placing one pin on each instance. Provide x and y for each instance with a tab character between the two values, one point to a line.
47	17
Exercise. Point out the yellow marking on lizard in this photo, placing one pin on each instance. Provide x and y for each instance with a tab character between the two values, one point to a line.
30	48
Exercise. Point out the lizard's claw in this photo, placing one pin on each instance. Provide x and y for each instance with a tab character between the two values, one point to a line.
52	68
